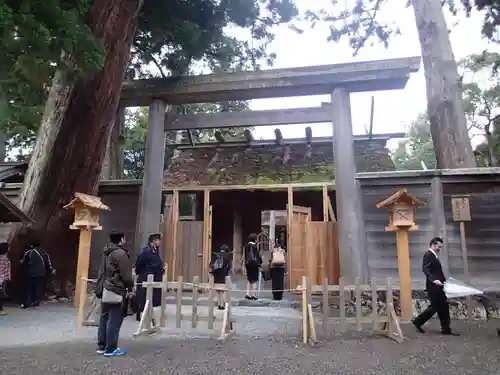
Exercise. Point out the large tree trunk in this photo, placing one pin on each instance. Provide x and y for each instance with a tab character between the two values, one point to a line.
444	94
73	138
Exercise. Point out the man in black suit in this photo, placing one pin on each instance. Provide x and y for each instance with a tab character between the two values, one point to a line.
434	280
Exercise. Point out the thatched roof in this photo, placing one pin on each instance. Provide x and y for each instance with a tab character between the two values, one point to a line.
10	213
270	163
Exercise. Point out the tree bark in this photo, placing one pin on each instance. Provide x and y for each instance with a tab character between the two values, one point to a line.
73	138
444	93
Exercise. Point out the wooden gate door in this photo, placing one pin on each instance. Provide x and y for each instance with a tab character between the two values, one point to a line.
312	249
182	246
299	217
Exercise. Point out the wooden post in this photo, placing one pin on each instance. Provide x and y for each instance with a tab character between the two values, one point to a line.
326	304
461	212
305	313
149	297
81	302
83	263
402	211
211	295
149	205
178	302
227	329
373	284
87	208
349	210
289	220
207	237
404	274
272	228
325	203
164	294
357	291
194	308
175	226
343	323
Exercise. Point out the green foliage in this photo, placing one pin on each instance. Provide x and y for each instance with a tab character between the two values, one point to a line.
417	149
482	105
359	21
39	37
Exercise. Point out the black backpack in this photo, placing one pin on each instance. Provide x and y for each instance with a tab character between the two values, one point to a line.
218	263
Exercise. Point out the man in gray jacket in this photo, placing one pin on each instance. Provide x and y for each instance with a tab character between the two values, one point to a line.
114	283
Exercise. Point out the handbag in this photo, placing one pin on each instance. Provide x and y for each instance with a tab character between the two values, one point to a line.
110	297
278	257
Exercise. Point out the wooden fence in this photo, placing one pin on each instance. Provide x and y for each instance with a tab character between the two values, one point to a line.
382	320
148	325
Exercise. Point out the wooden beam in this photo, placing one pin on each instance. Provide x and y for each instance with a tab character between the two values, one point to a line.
278	136
289	141
363	76
219	137
248	135
297	185
309	135
372	109
330	209
274	117
190	138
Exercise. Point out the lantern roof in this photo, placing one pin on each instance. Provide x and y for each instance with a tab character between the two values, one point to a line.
400	196
89	201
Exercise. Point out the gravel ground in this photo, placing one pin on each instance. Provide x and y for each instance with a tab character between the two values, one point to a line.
261	346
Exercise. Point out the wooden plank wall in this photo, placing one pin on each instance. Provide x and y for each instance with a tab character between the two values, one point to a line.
189	249
381	245
482	233
296	250
314	252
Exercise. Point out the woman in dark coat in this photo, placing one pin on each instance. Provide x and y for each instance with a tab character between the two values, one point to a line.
219	268
253	261
149	262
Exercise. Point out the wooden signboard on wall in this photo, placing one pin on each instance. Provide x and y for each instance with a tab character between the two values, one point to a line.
460	207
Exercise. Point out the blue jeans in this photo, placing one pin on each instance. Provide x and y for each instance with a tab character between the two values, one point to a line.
109	326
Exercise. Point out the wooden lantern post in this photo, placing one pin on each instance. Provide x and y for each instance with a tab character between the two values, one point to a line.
87	208
402	207
460	206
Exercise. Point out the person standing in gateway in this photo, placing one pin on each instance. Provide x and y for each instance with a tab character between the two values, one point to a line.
434	282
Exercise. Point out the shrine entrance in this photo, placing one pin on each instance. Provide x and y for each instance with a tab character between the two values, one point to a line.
313	249
227	215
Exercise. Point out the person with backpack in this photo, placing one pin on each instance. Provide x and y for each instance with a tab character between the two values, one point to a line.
253	261
37	266
219	268
277	266
114	284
